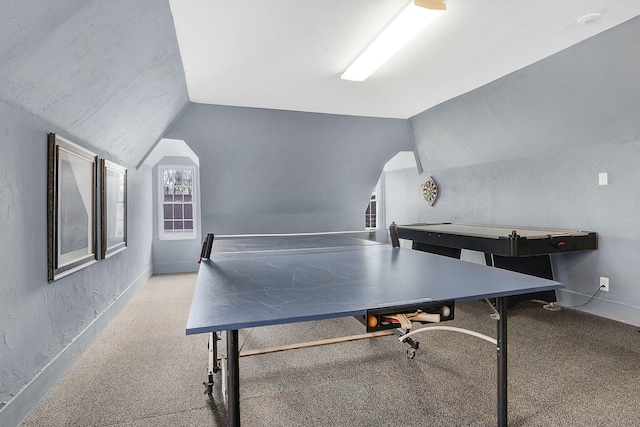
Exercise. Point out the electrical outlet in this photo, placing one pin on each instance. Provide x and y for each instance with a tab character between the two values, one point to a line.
604	284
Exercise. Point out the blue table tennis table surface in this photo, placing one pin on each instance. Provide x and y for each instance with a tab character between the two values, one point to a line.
269	280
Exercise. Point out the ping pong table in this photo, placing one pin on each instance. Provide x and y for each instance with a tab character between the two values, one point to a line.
251	281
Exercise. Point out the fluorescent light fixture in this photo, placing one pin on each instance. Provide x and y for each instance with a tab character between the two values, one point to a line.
409	22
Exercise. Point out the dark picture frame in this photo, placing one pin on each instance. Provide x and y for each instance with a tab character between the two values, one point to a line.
71	207
113	197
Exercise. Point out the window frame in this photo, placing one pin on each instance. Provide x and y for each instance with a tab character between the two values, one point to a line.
370	216
171	234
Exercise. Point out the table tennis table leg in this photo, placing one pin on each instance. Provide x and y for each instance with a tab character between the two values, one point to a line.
501	305
233	377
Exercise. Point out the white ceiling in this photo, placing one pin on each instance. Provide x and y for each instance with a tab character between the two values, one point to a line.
289	54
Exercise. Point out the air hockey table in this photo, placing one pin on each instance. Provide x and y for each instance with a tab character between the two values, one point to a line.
521	249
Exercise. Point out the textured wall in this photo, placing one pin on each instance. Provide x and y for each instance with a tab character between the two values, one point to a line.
402	198
267	171
108	72
38	319
526	150
586	95
560	191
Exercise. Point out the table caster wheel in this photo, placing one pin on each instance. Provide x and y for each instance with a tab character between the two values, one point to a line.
208	388
411	353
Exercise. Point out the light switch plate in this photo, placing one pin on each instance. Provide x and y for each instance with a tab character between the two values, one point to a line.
603	178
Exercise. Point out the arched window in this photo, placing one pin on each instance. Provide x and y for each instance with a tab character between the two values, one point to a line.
176	193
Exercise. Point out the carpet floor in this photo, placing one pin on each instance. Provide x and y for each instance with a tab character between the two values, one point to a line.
566	368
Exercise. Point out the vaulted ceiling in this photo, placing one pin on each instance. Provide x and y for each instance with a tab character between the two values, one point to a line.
289	54
107	72
117	73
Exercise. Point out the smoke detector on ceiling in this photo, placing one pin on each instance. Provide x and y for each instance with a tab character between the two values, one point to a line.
589	18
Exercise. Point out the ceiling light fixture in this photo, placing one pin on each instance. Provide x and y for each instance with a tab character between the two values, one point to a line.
404	27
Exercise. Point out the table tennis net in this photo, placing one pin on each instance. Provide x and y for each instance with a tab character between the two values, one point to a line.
278	242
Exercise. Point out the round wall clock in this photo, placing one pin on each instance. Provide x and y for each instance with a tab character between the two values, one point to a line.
430	191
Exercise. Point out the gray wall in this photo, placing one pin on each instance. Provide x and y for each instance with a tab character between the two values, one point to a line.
45	326
109	71
584	96
108	75
526	150
401	196
267	171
